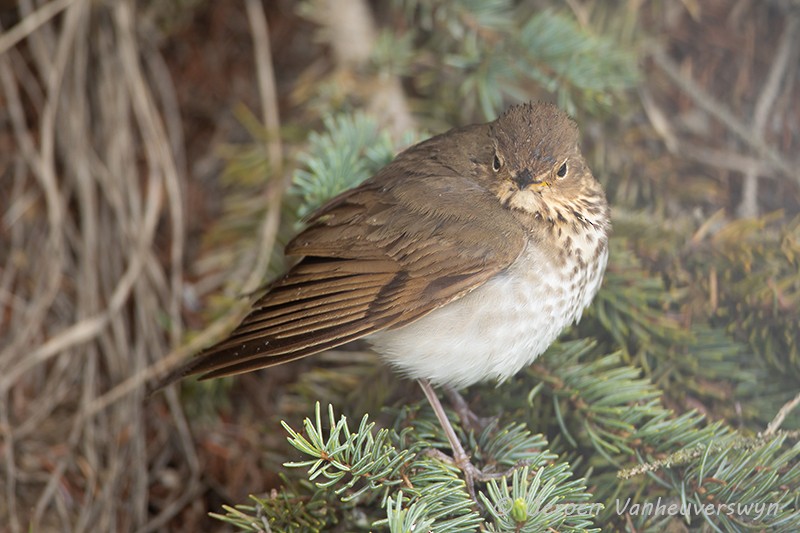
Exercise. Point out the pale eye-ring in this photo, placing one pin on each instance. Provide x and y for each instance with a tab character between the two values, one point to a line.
496	163
562	170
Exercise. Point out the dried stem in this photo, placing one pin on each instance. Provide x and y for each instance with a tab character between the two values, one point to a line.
788	43
784	411
85	288
724	115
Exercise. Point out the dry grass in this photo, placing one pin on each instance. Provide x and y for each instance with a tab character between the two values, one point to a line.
92	282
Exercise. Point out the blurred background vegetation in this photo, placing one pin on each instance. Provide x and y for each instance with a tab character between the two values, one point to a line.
155	157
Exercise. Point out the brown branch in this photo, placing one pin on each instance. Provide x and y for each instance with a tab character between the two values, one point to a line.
721	113
31	22
784	411
788	44
269	104
706	155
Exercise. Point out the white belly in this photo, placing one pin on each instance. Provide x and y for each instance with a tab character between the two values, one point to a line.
495	330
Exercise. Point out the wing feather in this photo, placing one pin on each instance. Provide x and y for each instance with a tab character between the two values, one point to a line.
378	256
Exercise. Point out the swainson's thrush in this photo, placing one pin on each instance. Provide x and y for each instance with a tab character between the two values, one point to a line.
460	261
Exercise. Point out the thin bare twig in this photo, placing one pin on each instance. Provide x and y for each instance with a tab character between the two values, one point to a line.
31	22
721	113
269	104
46	291
788	43
266	81
10	464
714	157
784	411
90	300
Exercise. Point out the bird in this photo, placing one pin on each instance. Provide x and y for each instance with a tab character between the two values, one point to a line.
459	262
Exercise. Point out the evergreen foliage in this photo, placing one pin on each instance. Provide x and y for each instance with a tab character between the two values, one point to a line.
351	150
689	315
498	49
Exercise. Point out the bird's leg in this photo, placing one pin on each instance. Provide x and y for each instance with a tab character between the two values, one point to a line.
460	457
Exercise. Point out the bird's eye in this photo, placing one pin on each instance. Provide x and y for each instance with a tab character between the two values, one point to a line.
496	164
562	170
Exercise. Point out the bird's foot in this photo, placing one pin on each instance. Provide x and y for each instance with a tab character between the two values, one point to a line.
472	473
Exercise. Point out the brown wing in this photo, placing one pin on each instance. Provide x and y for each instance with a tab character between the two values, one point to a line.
378	256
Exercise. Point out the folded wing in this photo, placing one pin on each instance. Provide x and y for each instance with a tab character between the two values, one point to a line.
378	256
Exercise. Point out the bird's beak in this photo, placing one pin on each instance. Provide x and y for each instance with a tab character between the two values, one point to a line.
524	178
